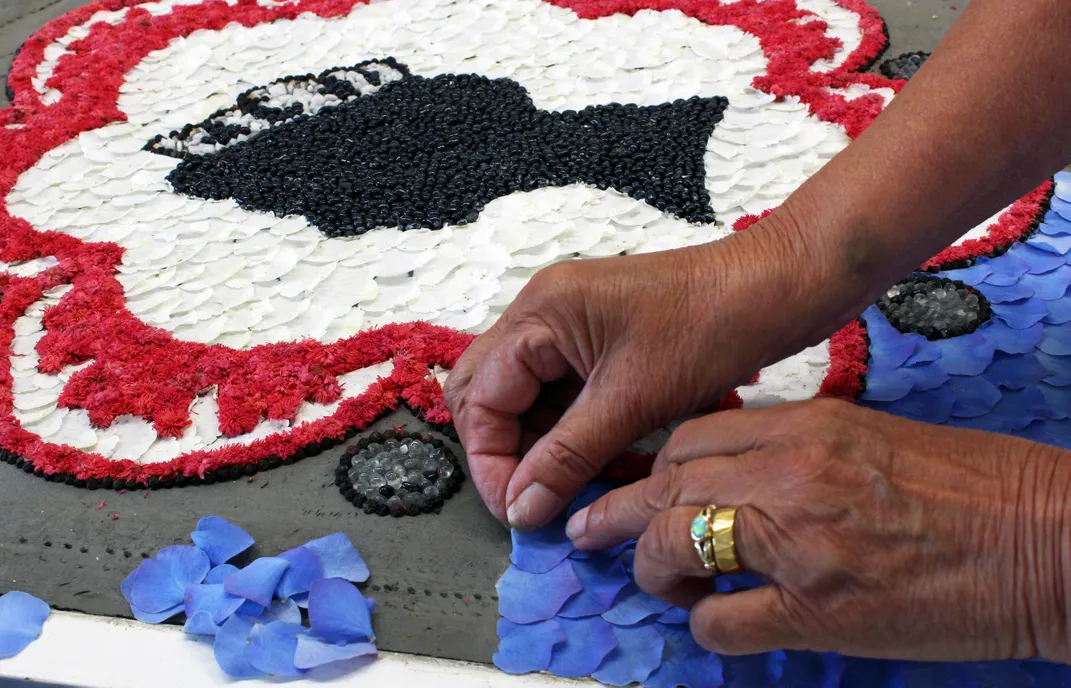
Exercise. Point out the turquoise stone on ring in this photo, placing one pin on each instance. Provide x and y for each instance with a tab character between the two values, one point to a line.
699	527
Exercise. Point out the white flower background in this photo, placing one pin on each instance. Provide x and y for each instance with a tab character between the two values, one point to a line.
211	272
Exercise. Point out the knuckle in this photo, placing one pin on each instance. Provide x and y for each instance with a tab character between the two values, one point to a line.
568	459
663	489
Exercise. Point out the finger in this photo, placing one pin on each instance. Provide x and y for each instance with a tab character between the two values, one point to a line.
726	433
500	378
746	622
666	555
626	512
589	434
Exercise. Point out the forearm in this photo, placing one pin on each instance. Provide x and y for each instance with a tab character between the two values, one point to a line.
984	122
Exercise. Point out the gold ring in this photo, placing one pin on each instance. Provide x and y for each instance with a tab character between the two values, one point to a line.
712	535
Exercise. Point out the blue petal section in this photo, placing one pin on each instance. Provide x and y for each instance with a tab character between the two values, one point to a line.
230	648
602	577
675	615
753	671
257	582
528	597
200	623
588	641
684	663
339	558
22	616
273	647
282	610
304	567
967	355
217	574
220	540
1021	316
638	653
633	606
1016	372
541	550
974	396
212	599
338	612
312	652
523	648
160	583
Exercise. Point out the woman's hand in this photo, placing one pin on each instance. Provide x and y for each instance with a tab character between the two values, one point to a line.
594	354
878	536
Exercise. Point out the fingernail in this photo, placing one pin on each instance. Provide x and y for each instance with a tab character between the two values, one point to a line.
577	525
533	507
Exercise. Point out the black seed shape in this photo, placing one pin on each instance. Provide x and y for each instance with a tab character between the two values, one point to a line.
935	307
426	152
903	66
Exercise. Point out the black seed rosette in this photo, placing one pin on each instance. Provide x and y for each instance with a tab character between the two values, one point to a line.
398	474
934	307
903	66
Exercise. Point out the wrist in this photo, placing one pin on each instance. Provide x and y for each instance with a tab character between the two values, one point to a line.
1042	553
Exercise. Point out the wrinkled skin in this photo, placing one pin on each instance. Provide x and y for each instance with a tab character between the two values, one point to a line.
878	536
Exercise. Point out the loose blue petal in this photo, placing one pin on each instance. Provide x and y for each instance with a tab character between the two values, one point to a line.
22	616
638	653
251	609
200	623
312	652
340	559
230	646
528	597
161	582
967	355
602	578
273	646
1008	339
675	615
257	582
301	600
1051	285
220	540
975	396
281	610
213	599
1021	316
141	615
304	568
587	642
523	648
633	606
338	612
684	663
220	572
539	551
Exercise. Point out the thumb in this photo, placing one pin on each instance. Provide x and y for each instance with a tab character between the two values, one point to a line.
594	429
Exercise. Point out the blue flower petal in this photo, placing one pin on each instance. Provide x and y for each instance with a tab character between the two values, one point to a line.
587	497
528	597
213	599
602	578
1047	674
538	551
305	567
141	615
887	343
160	583
633	606
750	671
1059	312
1018	408
1061	207
22	617
220	540
1016	372
966	355
338	612
1054	225
933	405
251	609
1051	285
1011	340
301	600
1009	294
230	647
217	574
1021	316
526	647
273	646
257	582
815	670
1040	262
925	352
638	653
684	663
1009	264
975	396
1058	245
281	610
973	275
675	615
200	623
312	652
876	672
1000	279
339	558
885	384
587	642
